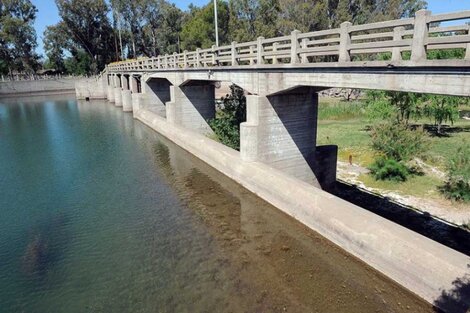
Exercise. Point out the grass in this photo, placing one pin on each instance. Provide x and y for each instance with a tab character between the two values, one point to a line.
345	124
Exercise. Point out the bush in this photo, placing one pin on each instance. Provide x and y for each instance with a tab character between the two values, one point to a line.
379	109
389	169
231	112
398	142
457	186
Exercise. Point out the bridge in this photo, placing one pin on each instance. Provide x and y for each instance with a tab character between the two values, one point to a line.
279	159
283	75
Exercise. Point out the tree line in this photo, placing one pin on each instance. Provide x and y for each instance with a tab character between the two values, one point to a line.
92	33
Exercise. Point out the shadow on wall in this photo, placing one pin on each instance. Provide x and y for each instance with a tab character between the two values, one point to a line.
456	300
424	224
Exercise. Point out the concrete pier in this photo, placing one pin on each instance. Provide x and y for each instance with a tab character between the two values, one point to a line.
126	101
281	131
192	106
157	94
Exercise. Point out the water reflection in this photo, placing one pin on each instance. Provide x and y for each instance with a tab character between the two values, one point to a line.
101	214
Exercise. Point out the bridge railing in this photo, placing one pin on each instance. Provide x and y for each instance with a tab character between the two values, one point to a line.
350	43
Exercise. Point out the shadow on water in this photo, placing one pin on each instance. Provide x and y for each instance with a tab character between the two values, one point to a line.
422	223
456	300
45	246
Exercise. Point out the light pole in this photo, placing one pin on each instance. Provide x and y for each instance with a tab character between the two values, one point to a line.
215	22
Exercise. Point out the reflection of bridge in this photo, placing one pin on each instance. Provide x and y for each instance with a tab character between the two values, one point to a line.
174	94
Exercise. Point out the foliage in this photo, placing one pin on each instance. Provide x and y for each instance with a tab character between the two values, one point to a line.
86	25
232	112
442	109
398	142
17	36
199	30
149	27
389	169
457	186
378	107
406	105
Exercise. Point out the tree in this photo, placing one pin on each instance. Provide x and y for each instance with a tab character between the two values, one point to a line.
406	104
442	109
250	19
295	14
343	12
199	29
17	36
86	23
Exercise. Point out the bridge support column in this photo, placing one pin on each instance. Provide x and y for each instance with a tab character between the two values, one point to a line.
281	131
137	95
157	94
126	94
111	88
117	91
192	106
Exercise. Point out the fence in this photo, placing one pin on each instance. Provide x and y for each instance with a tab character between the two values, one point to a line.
349	43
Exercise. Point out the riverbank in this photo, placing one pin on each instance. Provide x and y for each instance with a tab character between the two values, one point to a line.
345	124
38	87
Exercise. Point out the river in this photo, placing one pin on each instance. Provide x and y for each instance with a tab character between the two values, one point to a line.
101	214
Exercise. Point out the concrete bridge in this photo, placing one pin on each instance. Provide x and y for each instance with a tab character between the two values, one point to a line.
279	159
283	75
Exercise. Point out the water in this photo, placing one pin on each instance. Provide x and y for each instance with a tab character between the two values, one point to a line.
98	213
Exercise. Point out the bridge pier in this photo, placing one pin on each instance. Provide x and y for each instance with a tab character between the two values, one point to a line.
111	88
117	91
281	131
157	94
192	106
126	94
136	90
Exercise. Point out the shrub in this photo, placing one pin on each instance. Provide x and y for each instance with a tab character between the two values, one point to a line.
457	186
231	112
389	169
379	109
398	142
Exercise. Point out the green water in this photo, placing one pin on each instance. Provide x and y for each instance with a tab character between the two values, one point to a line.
98	213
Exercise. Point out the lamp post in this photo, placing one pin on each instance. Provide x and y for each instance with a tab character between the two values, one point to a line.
215	22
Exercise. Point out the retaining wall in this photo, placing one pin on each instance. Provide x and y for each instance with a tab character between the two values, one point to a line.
37	87
427	268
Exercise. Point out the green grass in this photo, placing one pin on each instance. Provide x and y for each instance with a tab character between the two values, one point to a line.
341	110
346	124
419	186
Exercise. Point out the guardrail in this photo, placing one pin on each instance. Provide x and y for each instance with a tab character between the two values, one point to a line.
414	35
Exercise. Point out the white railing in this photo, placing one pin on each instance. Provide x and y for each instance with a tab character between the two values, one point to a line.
413	35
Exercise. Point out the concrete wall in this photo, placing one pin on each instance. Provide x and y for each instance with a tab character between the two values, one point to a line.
38	87
192	106
92	88
419	264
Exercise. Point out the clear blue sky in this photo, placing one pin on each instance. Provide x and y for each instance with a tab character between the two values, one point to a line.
48	15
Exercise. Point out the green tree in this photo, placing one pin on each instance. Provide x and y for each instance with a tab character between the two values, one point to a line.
199	30
86	23
343	12
295	14
250	19
442	109
17	36
406	105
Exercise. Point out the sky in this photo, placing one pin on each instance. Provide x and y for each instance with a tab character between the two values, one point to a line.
48	15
